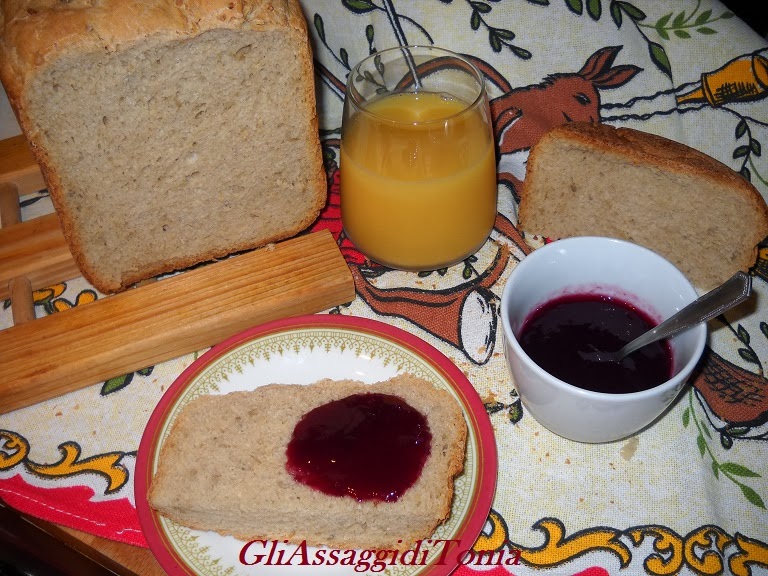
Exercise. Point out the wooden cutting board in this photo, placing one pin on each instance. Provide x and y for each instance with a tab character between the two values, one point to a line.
49	356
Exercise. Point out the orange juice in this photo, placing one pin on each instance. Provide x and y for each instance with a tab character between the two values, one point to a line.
418	180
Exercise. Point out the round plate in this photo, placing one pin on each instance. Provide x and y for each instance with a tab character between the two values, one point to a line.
301	351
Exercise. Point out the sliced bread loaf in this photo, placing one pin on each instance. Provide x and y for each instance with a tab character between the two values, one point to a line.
169	133
223	468
595	180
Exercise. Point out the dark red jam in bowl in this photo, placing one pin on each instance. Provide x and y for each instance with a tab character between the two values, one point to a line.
562	335
367	446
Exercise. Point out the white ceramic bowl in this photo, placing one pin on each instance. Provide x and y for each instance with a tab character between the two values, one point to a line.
617	268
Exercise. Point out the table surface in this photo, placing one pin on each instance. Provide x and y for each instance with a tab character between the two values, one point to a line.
138	560
688	494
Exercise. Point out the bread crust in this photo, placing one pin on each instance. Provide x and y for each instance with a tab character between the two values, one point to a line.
34	33
629	147
445	419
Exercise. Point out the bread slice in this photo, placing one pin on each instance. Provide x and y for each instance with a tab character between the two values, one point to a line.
223	468
169	133
596	180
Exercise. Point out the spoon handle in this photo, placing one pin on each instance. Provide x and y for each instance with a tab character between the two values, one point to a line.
713	303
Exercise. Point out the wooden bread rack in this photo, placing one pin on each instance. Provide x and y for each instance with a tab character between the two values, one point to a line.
41	358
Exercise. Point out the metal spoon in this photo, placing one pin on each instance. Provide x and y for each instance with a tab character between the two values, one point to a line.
733	291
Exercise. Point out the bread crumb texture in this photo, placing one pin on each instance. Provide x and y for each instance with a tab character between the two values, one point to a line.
595	180
222	467
185	135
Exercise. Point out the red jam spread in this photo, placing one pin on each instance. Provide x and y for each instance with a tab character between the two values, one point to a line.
561	336
367	446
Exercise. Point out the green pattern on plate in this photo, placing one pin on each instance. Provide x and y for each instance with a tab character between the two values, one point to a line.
197	556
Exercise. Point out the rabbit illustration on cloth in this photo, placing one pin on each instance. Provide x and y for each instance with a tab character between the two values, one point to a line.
522	115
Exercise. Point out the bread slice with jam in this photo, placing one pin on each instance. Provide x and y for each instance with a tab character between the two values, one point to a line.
223	468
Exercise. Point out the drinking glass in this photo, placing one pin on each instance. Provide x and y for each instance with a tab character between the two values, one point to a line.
418	167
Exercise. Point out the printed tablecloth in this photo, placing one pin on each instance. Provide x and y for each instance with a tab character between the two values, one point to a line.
688	495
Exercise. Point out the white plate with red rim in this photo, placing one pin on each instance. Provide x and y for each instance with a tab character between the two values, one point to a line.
303	350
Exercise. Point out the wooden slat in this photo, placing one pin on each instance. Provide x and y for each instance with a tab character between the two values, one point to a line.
10	209
68	350
22	300
18	166
37	250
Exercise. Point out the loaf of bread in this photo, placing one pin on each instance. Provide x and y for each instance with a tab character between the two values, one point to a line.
596	180
169	133
223	468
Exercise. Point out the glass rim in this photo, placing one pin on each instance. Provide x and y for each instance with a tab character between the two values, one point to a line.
354	98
